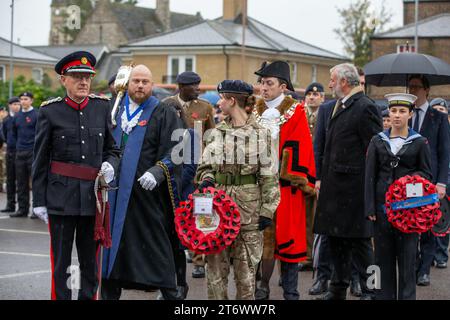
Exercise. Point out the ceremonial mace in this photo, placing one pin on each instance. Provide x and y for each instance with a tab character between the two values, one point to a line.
120	85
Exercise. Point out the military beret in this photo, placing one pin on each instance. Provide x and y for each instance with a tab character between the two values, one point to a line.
79	61
385	113
314	87
188	77
13	100
2	108
439	102
112	79
26	94
235	86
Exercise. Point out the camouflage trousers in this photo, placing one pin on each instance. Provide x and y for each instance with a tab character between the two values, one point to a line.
246	253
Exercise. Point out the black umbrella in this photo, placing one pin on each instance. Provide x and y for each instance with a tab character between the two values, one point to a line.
394	69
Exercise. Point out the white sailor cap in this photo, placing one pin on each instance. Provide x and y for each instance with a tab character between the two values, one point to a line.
401	100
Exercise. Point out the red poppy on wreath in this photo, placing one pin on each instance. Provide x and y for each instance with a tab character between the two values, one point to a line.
143	123
412	215
194	115
216	240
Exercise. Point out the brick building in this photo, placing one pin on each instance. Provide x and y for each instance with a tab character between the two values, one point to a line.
434	38
213	49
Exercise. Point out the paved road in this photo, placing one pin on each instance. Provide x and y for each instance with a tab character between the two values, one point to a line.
25	268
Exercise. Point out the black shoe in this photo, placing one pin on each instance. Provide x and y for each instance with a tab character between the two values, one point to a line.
305	267
18	214
198	272
182	292
441	265
33	216
355	289
262	294
330	296
319	287
423	280
8	209
366	297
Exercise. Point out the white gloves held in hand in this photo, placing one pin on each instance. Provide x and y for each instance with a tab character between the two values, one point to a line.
107	171
41	213
147	181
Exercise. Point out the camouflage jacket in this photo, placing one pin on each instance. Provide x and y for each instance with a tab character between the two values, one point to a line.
243	151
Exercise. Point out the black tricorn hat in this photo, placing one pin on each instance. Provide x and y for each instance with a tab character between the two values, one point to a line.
277	69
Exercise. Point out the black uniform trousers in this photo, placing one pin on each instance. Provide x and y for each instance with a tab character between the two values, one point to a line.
395	249
426	253
11	179
63	230
342	251
324	269
24	159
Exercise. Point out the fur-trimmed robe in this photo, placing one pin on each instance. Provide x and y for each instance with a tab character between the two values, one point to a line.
297	179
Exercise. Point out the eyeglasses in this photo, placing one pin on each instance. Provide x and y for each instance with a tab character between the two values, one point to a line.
415	86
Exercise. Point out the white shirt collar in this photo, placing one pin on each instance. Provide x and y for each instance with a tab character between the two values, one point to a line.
31	108
424	107
275	102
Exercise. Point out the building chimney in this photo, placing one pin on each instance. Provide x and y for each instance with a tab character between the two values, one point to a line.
233	8
163	13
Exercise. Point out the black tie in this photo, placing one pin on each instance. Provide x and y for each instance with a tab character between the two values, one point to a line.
417	120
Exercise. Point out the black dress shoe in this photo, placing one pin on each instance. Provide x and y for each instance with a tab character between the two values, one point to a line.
441	265
319	287
198	272
18	214
182	292
355	289
262	294
423	280
8	209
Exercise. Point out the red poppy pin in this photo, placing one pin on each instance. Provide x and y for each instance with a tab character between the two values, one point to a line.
143	123
28	119
194	115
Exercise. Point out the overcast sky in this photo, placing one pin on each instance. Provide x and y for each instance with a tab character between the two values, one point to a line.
311	21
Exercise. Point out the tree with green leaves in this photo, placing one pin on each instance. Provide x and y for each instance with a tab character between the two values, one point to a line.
359	24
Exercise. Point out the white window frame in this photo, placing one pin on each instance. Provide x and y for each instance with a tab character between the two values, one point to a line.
314	73
412	48
181	64
294	69
2	72
41	72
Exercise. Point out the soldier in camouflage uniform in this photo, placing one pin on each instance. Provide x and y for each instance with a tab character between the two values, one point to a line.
250	179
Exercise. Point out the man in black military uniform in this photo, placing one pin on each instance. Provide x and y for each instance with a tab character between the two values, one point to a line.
7	131
24	127
73	145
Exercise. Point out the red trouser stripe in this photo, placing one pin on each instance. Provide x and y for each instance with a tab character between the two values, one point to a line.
52	262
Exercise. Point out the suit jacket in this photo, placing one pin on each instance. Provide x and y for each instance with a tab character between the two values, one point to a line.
323	118
340	211
435	128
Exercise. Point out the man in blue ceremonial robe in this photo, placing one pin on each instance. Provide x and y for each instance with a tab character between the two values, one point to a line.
142	206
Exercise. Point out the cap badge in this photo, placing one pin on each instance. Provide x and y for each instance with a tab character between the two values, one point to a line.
84	60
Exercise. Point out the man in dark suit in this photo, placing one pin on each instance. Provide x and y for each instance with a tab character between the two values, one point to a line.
355	119
433	125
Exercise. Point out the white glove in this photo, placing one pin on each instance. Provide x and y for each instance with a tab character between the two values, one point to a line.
107	171
41	213
147	181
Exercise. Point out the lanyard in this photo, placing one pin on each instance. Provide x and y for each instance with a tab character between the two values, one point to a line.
127	108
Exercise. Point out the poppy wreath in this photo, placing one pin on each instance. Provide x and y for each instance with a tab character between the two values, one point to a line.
416	218
213	242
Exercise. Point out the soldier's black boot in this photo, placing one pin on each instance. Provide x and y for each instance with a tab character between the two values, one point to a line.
319	287
18	214
198	272
8	208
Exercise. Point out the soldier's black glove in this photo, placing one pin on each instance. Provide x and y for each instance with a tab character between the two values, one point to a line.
205	184
264	222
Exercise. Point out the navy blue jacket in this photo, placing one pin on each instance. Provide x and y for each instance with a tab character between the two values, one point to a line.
323	117
8	135
435	129
24	129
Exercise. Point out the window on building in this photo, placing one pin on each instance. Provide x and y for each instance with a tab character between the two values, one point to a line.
177	65
313	73
2	73
293	67
405	48
37	74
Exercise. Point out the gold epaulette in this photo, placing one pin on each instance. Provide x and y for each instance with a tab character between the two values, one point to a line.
94	96
46	103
